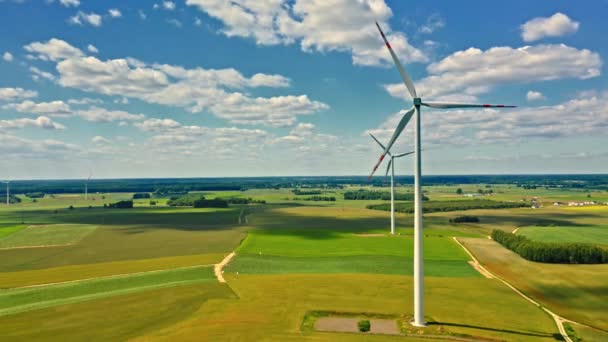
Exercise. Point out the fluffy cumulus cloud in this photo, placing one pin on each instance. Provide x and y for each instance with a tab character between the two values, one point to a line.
557	25
70	3
40	122
114	13
98	139
97	114
37	74
585	115
82	18
473	71
12	94
7	56
535	96
19	148
317	25
223	92
52	108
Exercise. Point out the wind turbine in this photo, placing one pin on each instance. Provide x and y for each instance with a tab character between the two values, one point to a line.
417	103
391	166
86	187
7	192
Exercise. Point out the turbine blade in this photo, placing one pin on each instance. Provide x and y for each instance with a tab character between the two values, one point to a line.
445	105
404	120
403	154
379	143
406	78
388	168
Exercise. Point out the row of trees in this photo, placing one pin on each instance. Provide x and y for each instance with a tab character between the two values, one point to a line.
379	195
441	206
140	195
242	200
121	205
555	253
306	192
316	198
465	219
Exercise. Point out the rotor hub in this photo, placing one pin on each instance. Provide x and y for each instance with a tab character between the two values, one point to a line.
417	101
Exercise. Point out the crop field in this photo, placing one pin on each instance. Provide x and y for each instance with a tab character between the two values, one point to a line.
49	235
147	272
596	235
578	292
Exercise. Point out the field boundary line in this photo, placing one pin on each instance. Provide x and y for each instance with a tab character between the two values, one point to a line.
218	268
37	246
558	319
122	275
475	263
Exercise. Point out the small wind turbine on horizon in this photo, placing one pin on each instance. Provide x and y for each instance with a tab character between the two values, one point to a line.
8	193
86	187
417	104
391	167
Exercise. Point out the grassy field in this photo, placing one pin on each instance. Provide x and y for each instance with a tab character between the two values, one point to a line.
32	298
47	235
577	292
293	256
595	235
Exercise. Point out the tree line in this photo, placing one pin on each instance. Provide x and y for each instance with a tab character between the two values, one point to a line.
379	195
555	253
441	206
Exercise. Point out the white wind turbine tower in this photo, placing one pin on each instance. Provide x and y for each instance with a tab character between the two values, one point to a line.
8	193
417	103
391	166
86	187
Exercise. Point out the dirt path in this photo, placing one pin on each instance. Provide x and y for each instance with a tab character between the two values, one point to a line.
559	321
476	265
515	230
218	268
37	246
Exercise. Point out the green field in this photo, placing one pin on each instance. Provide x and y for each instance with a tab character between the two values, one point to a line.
51	235
32	298
595	235
293	257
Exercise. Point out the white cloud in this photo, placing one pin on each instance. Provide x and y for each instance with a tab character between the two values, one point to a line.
582	116
473	71
85	101
196	89
142	15
114	13
169	5
97	114
98	139
198	21
534	96
7	56
317	25
92	49
82	18
53	50
155	125
175	22
52	108
12	94
40	122
555	26
68	3
432	24
37	73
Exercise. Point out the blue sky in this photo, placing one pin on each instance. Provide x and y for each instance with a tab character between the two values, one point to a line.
249	88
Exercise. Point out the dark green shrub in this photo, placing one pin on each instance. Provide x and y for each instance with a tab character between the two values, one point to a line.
441	206
465	219
122	205
364	325
139	195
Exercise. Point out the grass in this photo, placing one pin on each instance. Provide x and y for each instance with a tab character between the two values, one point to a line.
47	235
595	235
272	307
325	243
123	243
31	298
86	271
6	231
380	264
577	292
114	318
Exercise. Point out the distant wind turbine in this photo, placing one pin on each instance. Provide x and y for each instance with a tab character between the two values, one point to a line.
86	187
8	193
391	166
417	103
